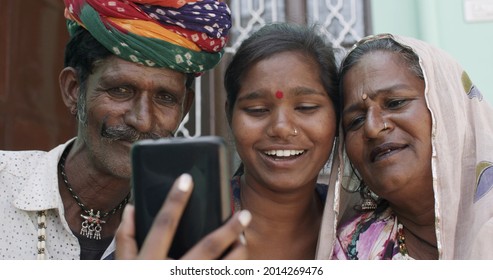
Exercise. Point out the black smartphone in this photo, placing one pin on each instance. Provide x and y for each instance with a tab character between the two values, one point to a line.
155	166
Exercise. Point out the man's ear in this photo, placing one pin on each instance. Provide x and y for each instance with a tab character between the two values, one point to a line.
69	87
190	96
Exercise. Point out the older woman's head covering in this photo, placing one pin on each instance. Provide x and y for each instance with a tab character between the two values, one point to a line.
184	35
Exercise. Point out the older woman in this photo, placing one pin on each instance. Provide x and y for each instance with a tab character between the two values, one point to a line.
419	134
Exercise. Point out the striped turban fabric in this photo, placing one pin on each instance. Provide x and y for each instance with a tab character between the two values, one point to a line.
184	35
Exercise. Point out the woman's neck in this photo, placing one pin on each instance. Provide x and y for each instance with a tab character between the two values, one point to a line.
284	225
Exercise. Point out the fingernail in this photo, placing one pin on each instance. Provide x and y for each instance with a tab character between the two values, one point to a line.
185	182
242	238
245	217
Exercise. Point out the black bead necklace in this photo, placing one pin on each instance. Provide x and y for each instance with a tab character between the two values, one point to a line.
92	223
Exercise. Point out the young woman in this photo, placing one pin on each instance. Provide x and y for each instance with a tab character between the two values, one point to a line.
281	87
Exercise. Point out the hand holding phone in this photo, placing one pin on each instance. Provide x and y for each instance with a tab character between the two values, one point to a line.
155	166
158	241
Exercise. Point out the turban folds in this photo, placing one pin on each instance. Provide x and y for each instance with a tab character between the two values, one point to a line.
184	35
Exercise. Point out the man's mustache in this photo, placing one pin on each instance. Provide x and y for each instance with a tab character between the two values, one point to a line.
126	133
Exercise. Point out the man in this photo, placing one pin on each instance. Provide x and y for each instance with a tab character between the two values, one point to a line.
129	70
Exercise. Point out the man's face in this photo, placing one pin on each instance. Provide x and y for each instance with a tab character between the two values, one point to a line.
126	102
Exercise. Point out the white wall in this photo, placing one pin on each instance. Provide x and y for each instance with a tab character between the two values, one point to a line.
442	23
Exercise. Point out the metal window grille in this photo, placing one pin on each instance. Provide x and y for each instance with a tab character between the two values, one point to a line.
343	22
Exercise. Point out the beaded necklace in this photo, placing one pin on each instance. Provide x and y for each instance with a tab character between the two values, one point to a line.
91	226
92	222
401	240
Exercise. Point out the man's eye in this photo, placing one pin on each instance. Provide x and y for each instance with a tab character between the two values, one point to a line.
120	91
166	98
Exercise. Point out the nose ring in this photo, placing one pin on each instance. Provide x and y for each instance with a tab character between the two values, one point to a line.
385	126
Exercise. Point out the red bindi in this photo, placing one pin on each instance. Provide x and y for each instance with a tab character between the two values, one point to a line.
279	94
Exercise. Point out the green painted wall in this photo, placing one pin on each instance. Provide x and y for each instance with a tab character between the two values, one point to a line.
442	23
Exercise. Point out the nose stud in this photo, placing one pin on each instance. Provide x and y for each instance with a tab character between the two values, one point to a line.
385	126
295	132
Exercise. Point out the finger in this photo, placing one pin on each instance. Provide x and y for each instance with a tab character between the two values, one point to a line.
126	246
217	242
238	251
160	236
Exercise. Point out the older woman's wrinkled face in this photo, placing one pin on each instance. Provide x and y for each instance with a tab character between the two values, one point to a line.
283	122
387	125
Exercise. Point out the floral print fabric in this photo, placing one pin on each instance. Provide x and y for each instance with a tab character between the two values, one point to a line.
369	236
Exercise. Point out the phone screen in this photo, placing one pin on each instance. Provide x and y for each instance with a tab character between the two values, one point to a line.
155	166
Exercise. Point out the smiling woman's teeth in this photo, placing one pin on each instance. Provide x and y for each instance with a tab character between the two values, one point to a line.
284	153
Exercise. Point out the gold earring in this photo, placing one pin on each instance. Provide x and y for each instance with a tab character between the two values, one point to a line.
368	202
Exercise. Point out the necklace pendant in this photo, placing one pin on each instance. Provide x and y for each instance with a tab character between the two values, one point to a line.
91	226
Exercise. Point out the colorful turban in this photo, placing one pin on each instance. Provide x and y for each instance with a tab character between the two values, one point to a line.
184	35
